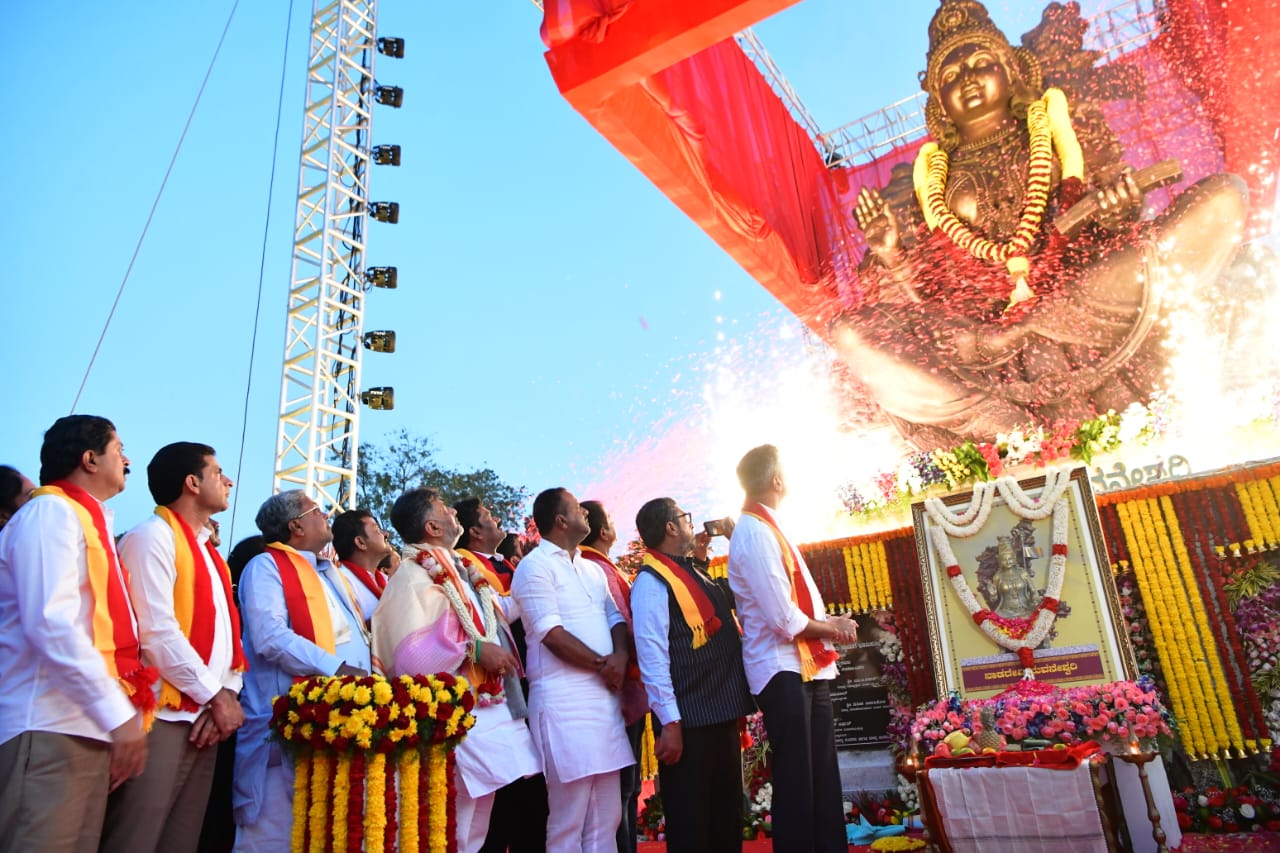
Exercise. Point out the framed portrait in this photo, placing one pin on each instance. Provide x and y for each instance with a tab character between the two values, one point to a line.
1016	576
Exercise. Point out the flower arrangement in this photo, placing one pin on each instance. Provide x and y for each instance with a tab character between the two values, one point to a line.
651	822
349	734
757	816
1117	716
941	470
1239	809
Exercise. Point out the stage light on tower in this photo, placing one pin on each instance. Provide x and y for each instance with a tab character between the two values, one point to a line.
385	211
381	399
382	340
389	96
392	47
382	277
386	155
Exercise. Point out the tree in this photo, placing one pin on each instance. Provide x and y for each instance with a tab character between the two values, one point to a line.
408	461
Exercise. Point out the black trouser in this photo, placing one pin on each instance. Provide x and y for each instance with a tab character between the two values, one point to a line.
519	819
629	783
702	792
807	806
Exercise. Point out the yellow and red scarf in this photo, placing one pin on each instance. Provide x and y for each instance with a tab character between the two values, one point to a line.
115	633
694	603
193	602
496	580
374	581
619	584
814	655
304	597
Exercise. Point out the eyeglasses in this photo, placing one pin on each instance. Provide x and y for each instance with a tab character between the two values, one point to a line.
302	515
687	515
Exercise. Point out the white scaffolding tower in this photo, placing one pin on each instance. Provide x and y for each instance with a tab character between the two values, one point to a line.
316	445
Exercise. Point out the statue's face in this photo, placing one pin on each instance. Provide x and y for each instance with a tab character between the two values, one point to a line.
972	84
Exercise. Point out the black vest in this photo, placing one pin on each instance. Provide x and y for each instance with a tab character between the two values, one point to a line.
710	683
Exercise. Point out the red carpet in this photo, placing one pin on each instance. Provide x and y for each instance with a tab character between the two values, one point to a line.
1255	842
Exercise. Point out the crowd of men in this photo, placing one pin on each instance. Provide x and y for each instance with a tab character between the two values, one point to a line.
123	666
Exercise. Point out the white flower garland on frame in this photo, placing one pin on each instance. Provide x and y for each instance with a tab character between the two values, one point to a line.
968	522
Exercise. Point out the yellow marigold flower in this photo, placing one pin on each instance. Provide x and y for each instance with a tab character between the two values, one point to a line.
288	732
381	693
364	739
314	694
331	691
352	726
306	731
362	695
293	717
443	695
329	735
397	710
348	690
461	685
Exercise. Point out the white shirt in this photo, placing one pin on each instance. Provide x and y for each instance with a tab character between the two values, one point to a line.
770	619
575	720
651	621
53	678
149	553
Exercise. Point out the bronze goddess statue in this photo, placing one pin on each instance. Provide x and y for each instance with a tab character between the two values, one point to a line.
985	316
1012	594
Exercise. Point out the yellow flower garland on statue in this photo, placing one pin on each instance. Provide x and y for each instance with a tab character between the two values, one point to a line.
438	799
375	802
301	786
341	801
1212	656
1048	128
319	812
408	838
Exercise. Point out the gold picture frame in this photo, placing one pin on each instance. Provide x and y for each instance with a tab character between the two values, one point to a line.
1088	643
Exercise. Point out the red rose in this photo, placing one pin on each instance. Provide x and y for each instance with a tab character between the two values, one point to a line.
1218	800
1184	820
1215	821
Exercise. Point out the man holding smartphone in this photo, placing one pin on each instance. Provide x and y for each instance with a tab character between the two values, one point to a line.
790	660
691	661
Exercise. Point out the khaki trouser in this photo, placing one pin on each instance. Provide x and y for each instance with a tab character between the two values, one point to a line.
53	792
163	809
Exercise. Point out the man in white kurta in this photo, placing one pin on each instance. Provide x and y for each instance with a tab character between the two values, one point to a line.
438	614
577	660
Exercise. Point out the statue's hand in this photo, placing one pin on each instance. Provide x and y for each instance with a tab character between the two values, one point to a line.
878	225
1119	203
976	346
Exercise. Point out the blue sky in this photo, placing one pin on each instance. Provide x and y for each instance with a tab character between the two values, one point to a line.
555	312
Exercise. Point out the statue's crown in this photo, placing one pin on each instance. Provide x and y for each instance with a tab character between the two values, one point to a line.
959	22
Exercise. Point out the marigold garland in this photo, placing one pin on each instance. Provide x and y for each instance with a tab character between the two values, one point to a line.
301	793
375	803
318	813
439	780
409	762
341	802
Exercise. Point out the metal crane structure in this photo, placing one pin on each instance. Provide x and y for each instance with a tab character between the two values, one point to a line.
320	396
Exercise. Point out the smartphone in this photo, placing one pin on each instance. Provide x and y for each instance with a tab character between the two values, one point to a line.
712	528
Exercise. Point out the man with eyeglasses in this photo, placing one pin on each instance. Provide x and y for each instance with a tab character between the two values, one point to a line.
302	617
691	661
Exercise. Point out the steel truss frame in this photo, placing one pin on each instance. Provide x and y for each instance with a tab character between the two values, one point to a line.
317	440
